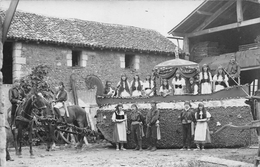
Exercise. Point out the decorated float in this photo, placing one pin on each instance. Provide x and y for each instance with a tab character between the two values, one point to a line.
226	106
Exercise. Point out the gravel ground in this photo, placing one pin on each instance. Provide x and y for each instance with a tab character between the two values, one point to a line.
104	154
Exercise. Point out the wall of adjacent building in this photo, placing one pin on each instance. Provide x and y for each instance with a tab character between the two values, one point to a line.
107	65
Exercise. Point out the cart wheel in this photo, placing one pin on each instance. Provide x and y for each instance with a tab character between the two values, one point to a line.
67	137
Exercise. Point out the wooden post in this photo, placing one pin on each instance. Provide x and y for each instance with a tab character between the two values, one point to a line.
186	46
240	17
2	113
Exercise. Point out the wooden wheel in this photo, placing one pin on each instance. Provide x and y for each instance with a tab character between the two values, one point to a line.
67	137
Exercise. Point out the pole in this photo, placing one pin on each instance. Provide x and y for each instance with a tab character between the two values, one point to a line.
235	81
2	113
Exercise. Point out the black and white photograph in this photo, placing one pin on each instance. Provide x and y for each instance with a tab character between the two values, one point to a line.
129	83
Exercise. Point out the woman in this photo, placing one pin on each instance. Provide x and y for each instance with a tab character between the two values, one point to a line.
205	80
178	84
136	86
202	135
148	86
165	89
193	87
123	87
220	80
136	121
120	119
60	99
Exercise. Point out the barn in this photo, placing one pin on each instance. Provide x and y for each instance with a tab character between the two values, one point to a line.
216	30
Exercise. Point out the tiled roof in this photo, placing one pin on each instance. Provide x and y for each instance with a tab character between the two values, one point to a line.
33	27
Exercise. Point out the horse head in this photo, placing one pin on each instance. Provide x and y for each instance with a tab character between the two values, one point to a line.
92	81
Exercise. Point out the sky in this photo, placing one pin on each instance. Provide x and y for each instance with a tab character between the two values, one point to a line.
161	16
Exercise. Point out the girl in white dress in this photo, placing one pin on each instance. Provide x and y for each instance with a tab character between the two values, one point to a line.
119	134
220	80
205	80
165	89
202	135
123	87
148	86
136	86
178	84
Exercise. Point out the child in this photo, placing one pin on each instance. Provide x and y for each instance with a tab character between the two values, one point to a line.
136	121
202	135
220	80
187	117
193	87
136	86
205	80
120	120
178	84
165	89
148	86
123	87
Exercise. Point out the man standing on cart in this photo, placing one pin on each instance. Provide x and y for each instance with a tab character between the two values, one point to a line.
60	100
233	71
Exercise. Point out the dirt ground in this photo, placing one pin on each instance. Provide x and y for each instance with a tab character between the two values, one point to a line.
104	155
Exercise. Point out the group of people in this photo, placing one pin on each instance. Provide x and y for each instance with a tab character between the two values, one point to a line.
203	83
193	123
134	89
137	122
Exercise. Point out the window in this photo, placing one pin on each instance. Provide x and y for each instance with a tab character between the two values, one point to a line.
76	58
129	61
7	68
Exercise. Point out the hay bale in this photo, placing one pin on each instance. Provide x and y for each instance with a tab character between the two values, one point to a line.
171	128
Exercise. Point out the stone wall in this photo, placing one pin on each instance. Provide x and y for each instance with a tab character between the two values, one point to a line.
108	65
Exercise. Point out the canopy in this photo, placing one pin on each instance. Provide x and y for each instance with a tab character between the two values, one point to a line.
168	68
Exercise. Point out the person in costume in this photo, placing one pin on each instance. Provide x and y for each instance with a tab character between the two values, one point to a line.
136	86
178	84
16	97
123	87
233	70
193	87
187	118
220	80
136	122
60	98
109	91
165	88
153	129
148	86
205	80
202	135
120	126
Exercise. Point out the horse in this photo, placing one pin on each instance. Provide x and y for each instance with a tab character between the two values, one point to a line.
25	118
77	117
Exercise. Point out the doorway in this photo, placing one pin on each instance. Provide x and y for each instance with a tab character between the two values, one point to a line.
7	69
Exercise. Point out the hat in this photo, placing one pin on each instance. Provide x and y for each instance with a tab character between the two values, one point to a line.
134	105
204	65
16	80
178	71
191	79
187	102
220	67
153	102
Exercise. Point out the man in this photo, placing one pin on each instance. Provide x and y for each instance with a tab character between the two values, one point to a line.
152	121
60	99
233	70
16	96
187	117
109	91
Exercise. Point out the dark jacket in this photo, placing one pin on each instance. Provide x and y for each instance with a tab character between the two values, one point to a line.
152	116
62	96
137	116
15	95
187	116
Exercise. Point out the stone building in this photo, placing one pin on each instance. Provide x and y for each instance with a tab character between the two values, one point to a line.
73	46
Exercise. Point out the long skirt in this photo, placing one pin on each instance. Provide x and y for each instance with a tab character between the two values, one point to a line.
136	93
125	94
219	87
178	91
206	88
202	134
119	134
